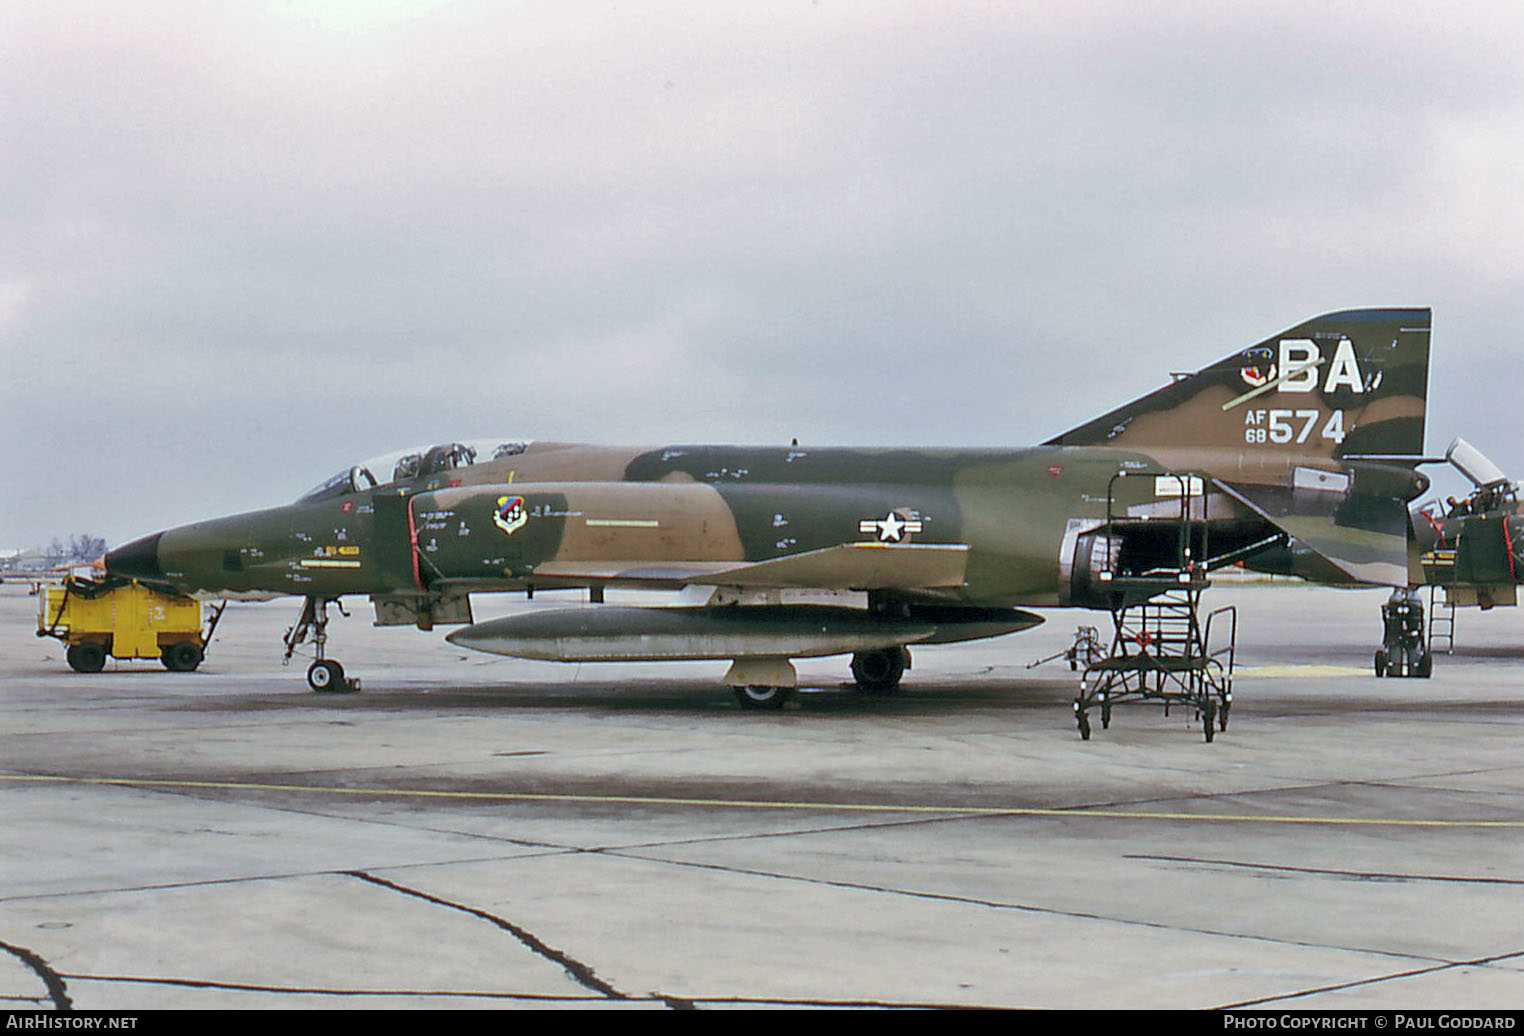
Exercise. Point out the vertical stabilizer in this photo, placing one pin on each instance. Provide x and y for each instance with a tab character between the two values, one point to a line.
1343	384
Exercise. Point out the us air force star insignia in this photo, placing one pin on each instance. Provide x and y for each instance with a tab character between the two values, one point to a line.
891	528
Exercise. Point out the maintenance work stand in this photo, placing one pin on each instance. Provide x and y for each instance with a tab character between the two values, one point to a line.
1161	649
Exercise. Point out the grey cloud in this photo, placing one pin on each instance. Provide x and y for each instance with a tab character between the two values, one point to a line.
249	244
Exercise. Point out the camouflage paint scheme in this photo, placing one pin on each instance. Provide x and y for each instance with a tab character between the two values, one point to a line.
1310	434
1473	549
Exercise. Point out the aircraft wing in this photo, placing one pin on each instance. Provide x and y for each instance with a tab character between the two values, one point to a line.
849	566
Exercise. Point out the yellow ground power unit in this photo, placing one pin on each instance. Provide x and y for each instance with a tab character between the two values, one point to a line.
123	621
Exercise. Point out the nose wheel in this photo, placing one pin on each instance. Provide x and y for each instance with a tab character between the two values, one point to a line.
326	675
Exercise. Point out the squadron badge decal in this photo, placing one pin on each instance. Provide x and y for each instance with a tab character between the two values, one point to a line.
510	515
1260	368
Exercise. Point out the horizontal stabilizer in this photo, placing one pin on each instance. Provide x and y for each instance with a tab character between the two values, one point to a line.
849	566
1363	537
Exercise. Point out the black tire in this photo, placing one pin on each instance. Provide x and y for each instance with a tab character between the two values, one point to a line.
1380	664
326	677
1209	719
1425	667
1084	727
182	657
86	657
757	697
879	672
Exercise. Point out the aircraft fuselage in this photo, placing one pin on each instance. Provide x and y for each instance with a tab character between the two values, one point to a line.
557	515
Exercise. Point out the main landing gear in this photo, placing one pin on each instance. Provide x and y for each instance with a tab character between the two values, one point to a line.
770	683
325	675
878	672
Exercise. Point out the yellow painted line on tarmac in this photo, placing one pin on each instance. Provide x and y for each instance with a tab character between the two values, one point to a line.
1300	670
1078	813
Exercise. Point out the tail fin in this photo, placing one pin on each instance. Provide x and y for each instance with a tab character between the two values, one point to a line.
1346	384
1316	430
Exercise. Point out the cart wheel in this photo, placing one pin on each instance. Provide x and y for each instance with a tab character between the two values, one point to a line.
1425	667
1209	719
1380	664
86	657
1084	726
1222	715
183	657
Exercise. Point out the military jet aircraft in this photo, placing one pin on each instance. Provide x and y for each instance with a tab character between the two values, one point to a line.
1310	434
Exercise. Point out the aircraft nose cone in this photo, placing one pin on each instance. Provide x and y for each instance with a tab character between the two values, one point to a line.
137	560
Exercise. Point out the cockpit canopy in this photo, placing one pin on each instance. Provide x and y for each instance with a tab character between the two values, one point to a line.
1470	461
414	463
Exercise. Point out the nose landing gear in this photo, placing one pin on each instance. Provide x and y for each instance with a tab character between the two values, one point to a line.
326	675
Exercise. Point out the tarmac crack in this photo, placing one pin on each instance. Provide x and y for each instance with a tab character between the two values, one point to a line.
254	987
581	973
683	1003
1328	872
994	904
1479	962
58	992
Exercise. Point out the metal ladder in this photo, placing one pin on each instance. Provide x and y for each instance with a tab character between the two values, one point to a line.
1441	620
1160	648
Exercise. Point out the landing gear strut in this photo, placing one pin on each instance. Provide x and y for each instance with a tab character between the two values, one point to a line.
326	675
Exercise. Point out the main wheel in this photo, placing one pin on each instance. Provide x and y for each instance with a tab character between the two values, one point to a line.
326	677
182	657
86	657
759	697
879	672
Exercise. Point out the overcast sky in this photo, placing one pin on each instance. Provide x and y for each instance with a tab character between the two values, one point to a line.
243	245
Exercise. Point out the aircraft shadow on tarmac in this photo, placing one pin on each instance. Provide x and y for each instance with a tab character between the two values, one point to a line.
696	696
